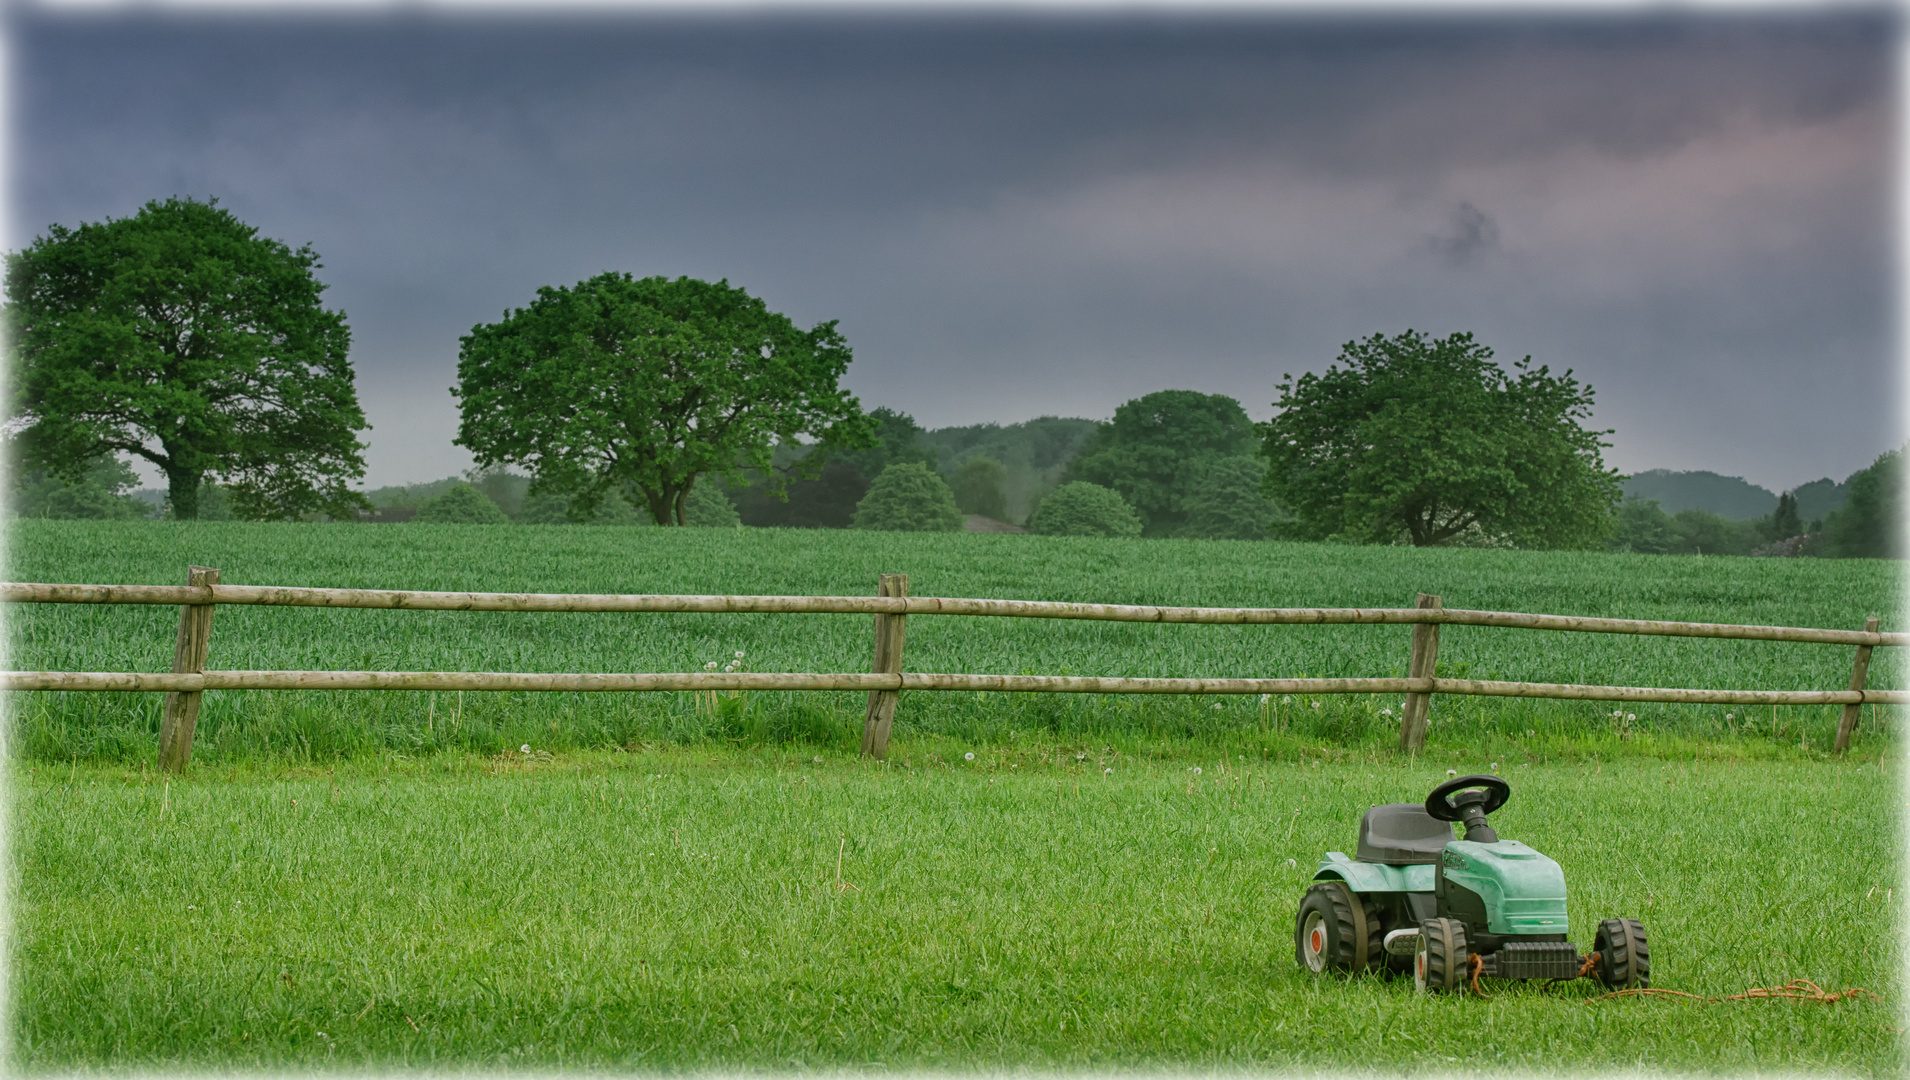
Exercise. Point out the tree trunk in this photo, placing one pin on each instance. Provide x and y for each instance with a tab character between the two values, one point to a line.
182	490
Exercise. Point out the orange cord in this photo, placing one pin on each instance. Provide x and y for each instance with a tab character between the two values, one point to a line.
1477	964
1796	989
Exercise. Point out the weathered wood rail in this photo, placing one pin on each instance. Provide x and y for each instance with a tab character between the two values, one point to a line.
189	679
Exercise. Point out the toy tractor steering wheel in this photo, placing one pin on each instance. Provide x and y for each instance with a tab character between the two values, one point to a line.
1469	799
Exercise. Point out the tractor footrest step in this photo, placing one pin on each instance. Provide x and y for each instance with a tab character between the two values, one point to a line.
1533	960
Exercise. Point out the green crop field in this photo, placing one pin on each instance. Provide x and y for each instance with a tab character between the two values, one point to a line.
321	726
524	881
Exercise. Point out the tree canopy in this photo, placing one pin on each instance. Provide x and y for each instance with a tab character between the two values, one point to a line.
1869	524
181	336
639	386
1427	439
981	488
1156	447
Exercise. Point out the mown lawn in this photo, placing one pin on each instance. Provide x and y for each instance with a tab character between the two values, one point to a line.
1050	904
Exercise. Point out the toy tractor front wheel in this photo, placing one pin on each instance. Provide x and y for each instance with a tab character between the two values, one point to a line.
1439	965
1335	932
1624	958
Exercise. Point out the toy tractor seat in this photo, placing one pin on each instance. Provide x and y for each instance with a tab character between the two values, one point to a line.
1401	834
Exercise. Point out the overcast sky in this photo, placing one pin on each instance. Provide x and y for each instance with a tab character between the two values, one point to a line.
1019	214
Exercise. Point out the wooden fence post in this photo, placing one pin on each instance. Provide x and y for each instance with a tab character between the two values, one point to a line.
1413	718
1859	674
888	658
188	656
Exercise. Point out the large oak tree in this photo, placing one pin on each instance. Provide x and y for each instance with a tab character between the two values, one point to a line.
635	387
181	336
1427	439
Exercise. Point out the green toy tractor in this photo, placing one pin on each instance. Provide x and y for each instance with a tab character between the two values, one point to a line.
1453	910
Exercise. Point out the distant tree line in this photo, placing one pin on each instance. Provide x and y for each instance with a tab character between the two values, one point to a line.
181	337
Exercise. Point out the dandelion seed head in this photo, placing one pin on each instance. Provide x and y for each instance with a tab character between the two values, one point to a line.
525	749
1452	772
970	756
1196	770
818	759
711	666
1286	701
1107	772
739	654
1631	716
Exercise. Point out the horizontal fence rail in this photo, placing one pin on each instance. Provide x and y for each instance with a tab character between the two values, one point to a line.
190	679
534	682
404	600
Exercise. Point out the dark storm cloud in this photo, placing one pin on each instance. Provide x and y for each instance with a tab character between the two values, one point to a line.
1015	215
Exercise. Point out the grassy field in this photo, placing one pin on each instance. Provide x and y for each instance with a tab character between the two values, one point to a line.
1055	906
388	880
298	727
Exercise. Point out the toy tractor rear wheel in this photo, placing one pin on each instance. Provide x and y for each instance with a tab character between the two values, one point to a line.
1335	932
1624	958
1439	965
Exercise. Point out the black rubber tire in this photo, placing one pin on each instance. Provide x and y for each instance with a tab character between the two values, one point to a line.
1439	967
1624	957
1343	923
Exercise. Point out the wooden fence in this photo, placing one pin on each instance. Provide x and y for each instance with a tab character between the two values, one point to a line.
891	606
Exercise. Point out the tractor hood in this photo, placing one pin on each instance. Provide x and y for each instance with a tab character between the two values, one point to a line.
1524	892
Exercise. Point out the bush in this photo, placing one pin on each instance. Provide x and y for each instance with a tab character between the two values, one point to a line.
545	508
461	505
909	498
1084	509
706	505
101	494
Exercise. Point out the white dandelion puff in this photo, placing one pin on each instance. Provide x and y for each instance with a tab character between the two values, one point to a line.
970	756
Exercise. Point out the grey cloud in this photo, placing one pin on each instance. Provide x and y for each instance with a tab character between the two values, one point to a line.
1024	214
1468	236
